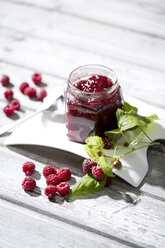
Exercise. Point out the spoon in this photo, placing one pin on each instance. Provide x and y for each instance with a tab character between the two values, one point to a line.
49	103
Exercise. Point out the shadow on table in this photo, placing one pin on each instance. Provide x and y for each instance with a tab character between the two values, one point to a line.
119	189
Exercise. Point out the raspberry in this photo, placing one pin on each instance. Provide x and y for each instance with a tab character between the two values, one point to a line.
117	164
107	143
50	191
8	94
98	173
63	189
64	174
5	80
29	91
29	183
87	165
108	182
23	86
52	179
28	168
37	78
8	109
48	170
42	94
16	104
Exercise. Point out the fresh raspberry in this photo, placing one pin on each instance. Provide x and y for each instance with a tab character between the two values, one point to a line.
29	183
63	189
87	165
64	174
29	91
8	109
37	78
48	170
23	86
8	94
50	191
108	182
98	173
5	80
28	168
53	180
42	94
107	143
16	104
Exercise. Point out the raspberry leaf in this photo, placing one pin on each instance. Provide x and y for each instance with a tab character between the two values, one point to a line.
114	134
86	185
95	141
128	121
94	146
106	167
92	152
128	108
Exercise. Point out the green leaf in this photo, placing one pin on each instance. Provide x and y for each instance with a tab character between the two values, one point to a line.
114	134
152	118
128	108
92	152
86	185
106	167
94	146
127	121
94	141
114	131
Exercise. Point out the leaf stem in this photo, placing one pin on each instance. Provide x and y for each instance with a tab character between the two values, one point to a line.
138	148
127	140
145	134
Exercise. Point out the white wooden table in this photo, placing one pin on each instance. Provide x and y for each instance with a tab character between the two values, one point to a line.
54	37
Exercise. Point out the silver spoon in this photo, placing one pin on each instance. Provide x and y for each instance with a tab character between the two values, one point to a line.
50	102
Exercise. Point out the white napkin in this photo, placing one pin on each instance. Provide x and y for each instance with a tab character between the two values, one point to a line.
48	129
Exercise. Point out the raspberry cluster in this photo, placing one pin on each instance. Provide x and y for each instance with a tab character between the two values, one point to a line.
90	166
25	88
55	179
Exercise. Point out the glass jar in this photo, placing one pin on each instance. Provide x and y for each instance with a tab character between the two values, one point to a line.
91	105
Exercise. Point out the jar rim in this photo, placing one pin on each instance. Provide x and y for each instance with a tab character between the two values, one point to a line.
109	90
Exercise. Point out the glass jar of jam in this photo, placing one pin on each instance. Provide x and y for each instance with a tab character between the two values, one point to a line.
92	97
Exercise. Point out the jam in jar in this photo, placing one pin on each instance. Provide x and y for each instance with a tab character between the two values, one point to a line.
92	97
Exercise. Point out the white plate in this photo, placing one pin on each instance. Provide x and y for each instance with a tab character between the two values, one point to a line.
48	129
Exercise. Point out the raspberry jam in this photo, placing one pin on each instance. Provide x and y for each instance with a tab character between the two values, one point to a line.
92	98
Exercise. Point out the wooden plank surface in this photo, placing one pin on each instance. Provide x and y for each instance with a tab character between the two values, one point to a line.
54	37
132	56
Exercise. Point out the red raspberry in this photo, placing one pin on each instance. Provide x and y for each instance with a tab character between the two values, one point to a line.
87	165
107	143
48	170
37	78
8	109
108	182
16	104
50	191
5	80
29	183
64	174
28	168
52	179
8	94
98	173
29	91
23	86
42	94
63	189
